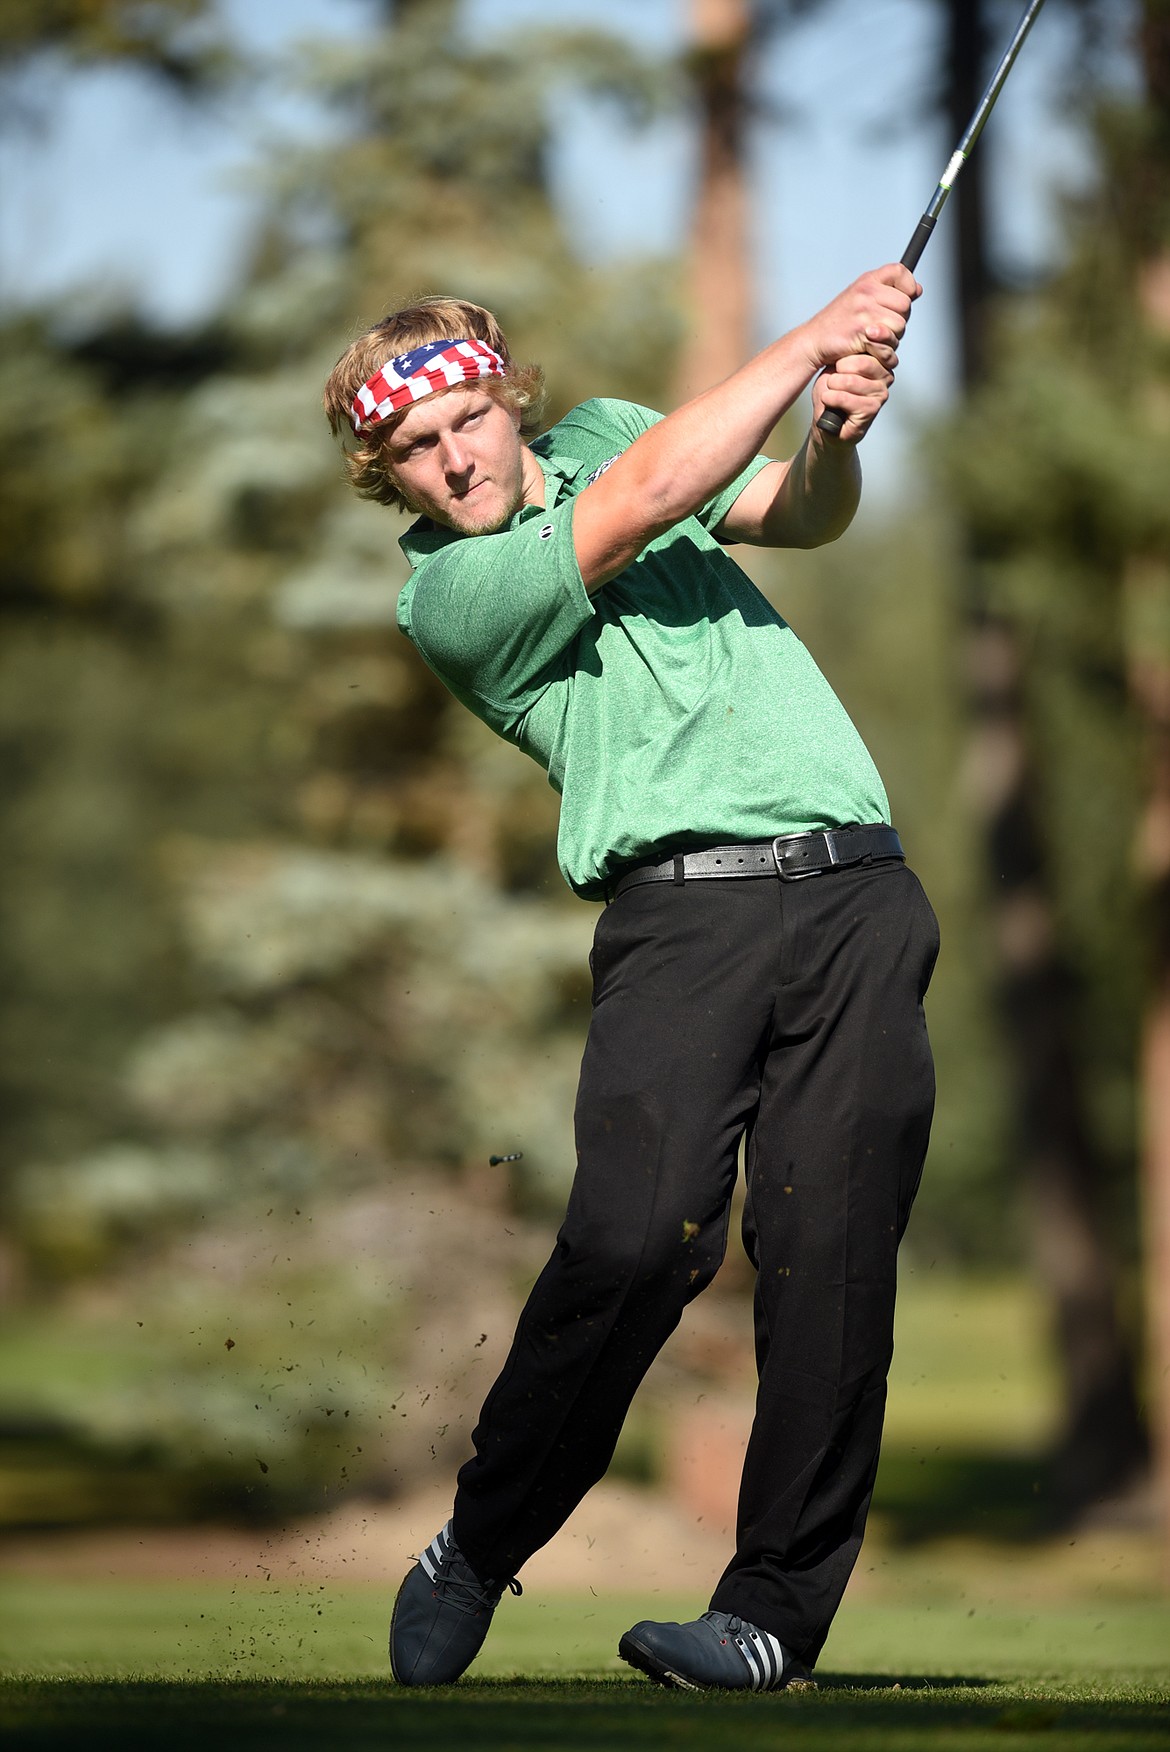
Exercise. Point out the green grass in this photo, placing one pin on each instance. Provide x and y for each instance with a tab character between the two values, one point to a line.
131	1664
972	1364
572	1716
950	1640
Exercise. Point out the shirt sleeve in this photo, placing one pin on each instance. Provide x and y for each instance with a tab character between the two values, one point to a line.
716	509
493	615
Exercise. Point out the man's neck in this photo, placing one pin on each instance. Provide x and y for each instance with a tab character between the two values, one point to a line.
533	478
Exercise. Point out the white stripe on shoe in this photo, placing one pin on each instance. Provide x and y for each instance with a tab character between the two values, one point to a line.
437	1549
765	1657
741	1643
779	1653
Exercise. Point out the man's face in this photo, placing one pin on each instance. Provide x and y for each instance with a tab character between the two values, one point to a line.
458	459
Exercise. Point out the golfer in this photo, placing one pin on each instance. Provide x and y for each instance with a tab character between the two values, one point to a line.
759	965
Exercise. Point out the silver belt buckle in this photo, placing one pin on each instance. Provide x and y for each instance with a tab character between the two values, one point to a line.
797	875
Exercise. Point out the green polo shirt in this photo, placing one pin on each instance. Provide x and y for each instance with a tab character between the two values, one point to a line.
673	709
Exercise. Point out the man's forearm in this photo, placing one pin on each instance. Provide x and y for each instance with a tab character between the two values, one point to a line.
683	461
816	500
688	458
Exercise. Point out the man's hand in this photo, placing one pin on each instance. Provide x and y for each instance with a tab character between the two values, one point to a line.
859	387
868	317
683	461
854	342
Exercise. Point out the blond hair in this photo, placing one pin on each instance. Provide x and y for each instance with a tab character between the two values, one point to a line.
437	318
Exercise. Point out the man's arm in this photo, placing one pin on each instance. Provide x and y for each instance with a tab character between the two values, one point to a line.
686	459
811	499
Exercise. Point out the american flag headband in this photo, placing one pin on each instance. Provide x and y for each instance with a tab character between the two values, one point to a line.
433	366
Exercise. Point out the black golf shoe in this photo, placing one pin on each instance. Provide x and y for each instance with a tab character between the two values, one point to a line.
717	1652
441	1616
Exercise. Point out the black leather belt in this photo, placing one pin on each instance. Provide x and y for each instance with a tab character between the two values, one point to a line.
790	857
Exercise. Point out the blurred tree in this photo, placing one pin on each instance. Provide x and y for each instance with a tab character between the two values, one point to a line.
178	41
1068	1168
368	959
1056	472
1147	612
94	695
443	181
720	331
194	515
83	952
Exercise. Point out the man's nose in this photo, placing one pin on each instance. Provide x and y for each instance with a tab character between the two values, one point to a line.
454	454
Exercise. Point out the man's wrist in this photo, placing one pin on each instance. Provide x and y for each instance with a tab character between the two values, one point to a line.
805	342
828	444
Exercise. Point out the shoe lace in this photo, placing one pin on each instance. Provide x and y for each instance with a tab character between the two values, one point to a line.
460	1587
724	1625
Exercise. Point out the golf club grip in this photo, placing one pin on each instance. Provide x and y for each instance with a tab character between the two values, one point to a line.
832	420
918	242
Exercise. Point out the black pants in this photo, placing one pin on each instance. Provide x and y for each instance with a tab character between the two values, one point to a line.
792	1012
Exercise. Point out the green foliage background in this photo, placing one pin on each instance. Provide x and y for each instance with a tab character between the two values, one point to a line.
283	946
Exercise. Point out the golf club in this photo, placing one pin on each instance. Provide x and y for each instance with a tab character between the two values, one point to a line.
833	419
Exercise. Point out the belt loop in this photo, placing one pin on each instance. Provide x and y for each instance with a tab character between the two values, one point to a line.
680	870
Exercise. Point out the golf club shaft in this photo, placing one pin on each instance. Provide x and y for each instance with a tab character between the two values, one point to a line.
833	419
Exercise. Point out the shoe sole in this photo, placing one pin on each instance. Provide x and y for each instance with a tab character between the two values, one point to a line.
636	1656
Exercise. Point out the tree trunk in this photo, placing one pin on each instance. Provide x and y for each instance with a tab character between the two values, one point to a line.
966	57
1148	606
1150	688
720	334
1101	1443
